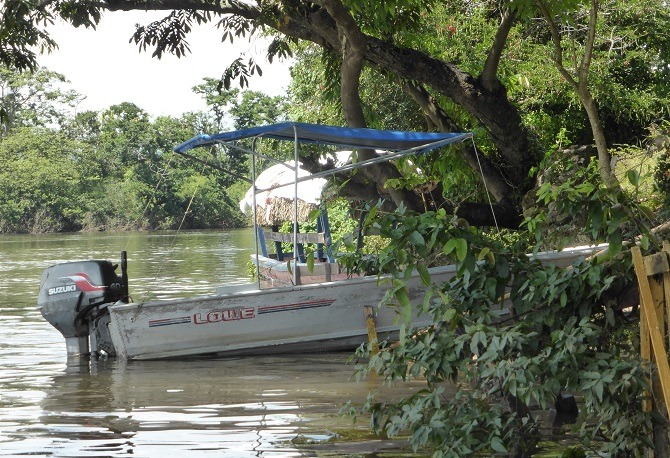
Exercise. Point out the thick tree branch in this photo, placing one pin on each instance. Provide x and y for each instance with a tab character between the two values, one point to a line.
489	75
492	109
430	107
307	21
352	50
495	182
556	40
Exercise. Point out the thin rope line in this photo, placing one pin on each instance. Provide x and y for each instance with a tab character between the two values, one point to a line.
146	207
188	207
488	194
183	218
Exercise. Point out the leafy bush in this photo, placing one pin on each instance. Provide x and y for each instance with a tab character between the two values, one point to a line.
660	144
42	188
511	334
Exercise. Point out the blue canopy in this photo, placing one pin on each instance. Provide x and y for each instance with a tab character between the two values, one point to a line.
343	137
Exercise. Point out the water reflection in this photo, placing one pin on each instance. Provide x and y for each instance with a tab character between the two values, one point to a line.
238	407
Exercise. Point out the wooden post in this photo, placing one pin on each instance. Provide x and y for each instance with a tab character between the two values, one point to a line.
327	271
372	329
645	353
648	313
666	284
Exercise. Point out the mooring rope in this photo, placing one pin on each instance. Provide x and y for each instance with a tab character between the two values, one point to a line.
486	188
183	219
181	223
153	194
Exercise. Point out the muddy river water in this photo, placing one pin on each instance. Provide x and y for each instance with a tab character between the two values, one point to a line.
239	407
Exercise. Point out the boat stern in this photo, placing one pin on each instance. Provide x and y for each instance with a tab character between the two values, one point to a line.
74	296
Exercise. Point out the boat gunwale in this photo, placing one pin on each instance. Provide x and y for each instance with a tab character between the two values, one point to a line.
449	268
276	290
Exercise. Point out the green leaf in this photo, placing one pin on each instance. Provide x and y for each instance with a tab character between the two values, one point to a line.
310	263
497	445
461	249
502	267
484	252
585	188
449	246
448	315
313	214
647	212
598	388
615	242
402	256
644	242
403	299
372	214
474	344
417	239
633	176
424	274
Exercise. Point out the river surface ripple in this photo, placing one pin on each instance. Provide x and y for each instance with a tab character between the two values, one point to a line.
239	407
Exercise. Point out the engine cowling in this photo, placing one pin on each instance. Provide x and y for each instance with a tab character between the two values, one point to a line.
73	294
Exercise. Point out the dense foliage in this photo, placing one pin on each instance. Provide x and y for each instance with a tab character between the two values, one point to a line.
511	335
516	72
114	169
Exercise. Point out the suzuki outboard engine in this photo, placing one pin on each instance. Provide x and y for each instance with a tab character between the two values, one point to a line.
74	297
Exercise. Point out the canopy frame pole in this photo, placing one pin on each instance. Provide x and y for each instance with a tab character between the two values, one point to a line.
296	274
255	216
250	152
346	167
358	165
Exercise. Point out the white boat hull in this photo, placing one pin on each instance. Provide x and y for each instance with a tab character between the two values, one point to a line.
244	319
311	318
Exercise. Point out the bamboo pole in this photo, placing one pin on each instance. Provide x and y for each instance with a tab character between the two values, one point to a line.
652	324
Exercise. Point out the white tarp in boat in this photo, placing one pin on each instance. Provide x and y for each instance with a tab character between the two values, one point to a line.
276	205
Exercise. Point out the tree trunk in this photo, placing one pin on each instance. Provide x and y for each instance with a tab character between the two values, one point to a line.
352	48
604	156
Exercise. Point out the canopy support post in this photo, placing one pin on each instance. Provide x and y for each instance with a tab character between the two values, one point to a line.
253	199
296	258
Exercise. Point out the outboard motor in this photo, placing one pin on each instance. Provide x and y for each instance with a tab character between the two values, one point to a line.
74	297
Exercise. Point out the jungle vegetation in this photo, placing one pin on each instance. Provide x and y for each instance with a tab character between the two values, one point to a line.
114	169
568	100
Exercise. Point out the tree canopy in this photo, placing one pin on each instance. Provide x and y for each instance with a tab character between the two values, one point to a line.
471	66
113	169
